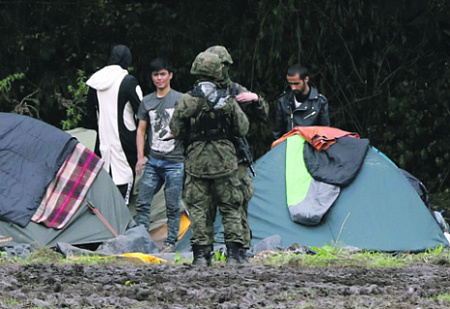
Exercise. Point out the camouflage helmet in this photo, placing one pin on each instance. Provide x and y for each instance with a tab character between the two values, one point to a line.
207	64
222	52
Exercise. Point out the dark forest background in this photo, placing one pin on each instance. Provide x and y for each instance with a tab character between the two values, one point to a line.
383	65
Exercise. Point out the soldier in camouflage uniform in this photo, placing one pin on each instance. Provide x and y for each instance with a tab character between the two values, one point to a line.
250	102
254	106
207	118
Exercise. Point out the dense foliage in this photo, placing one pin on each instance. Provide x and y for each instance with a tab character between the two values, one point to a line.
383	65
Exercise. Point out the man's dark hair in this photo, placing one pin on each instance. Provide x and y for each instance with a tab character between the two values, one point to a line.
298	69
159	64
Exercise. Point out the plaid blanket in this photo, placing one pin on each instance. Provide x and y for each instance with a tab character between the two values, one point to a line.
67	190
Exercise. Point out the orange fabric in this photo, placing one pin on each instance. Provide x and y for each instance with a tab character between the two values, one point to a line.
185	223
319	137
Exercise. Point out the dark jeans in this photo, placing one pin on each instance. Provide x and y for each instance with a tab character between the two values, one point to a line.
158	172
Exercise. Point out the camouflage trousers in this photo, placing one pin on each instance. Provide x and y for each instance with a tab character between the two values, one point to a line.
247	189
203	196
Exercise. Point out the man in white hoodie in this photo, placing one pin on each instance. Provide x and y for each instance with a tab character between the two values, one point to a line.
112	103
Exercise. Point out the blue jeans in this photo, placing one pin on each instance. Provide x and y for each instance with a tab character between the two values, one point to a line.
158	172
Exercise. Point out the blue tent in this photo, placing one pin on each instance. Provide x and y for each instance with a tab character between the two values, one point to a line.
379	210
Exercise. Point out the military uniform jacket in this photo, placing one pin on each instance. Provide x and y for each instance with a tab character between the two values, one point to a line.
259	109
207	158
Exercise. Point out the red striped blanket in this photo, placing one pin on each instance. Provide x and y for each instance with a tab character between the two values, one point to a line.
67	190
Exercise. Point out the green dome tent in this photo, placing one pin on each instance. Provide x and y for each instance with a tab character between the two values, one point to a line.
379	210
31	153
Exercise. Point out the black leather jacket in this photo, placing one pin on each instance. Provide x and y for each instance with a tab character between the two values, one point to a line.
312	112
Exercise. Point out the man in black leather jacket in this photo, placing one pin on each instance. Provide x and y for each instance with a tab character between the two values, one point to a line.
302	105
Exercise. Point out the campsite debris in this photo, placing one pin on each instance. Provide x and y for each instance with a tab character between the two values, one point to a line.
295	248
141	257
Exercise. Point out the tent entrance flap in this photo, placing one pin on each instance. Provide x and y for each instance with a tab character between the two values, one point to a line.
159	234
297	176
308	199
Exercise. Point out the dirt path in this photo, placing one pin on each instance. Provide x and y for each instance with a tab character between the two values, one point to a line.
184	286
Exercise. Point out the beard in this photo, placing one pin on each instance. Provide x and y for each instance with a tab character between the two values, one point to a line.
299	96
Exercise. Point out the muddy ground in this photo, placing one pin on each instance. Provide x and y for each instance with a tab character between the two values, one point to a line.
220	286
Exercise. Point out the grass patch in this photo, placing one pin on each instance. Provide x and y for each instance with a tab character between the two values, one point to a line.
37	256
50	256
10	302
444	297
329	256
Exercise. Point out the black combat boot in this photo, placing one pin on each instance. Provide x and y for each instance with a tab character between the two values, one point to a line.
202	255
243	256
233	257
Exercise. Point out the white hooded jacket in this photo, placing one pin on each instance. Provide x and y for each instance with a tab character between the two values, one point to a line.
114	97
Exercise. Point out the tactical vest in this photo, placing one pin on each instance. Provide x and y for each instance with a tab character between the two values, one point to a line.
212	122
